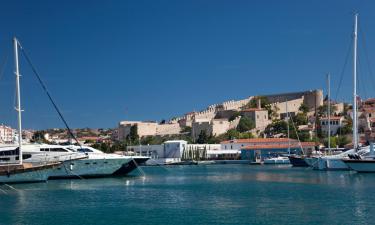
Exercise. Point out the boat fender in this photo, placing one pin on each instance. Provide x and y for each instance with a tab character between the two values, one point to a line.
71	166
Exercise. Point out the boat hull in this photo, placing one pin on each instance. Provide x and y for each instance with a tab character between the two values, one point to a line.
88	168
27	175
276	161
126	168
298	161
361	166
331	164
312	162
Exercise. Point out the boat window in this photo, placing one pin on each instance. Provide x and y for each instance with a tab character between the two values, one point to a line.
58	150
84	150
26	156
53	150
4	159
10	152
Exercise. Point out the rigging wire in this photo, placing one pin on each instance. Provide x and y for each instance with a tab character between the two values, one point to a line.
2	70
364	45
33	68
343	68
360	79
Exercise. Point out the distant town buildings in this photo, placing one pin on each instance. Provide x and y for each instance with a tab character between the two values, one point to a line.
217	119
7	134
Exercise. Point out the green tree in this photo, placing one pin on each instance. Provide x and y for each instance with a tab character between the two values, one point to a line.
274	113
300	119
39	137
264	103
133	137
202	138
333	143
246	135
304	108
342	141
234	116
276	127
186	130
245	124
232	134
347	127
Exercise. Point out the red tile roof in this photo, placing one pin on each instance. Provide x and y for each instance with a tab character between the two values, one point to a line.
257	140
279	146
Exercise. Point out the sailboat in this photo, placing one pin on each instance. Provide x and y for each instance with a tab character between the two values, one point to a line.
21	172
363	163
337	162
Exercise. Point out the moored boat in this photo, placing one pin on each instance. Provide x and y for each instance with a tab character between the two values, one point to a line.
277	160
297	161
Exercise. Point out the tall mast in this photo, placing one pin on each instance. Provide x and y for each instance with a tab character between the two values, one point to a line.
355	126
287	120
329	111
18	91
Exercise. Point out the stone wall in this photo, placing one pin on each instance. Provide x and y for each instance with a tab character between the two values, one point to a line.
168	129
312	98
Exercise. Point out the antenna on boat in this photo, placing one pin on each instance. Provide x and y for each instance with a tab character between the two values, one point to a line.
18	107
329	111
355	125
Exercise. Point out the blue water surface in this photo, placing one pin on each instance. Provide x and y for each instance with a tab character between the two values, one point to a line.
211	194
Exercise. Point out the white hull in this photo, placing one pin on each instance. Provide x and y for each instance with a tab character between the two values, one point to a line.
331	164
335	162
88	168
277	160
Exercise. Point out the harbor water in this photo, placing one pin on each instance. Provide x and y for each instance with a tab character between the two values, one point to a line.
210	194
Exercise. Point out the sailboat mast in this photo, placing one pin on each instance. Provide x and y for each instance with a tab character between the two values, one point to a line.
18	91
355	126
287	120
329	111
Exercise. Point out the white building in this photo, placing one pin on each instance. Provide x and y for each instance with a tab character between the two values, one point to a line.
335	121
7	134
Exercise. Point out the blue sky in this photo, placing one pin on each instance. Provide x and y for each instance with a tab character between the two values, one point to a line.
106	61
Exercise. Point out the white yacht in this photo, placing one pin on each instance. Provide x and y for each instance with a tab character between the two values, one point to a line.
133	163
277	160
73	164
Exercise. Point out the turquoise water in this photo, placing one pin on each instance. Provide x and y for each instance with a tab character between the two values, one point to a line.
212	194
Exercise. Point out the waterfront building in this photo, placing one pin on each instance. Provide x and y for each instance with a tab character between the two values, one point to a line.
336	123
262	150
239	144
